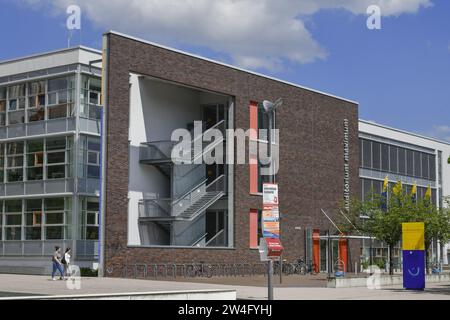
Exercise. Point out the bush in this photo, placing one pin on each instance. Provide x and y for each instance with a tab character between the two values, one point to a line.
88	272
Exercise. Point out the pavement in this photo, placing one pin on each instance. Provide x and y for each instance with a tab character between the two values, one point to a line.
26	285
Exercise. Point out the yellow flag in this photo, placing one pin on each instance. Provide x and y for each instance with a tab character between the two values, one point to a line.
398	188
385	184
414	191
428	193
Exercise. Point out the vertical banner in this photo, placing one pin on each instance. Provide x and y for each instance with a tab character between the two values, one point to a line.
270	214
413	245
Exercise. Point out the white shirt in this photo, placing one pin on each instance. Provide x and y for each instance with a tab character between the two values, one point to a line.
67	257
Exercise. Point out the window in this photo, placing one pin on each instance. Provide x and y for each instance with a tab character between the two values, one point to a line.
2	106
393	161
36	101
56	158
13	220
35	160
90	219
384	157
367	154
55	218
367	189
91	157
425	166
263	123
417	164
376	156
402	161
16	104
262	178
15	161
58	84
2	163
91	98
409	162
57	112
33	219
60	97
432	169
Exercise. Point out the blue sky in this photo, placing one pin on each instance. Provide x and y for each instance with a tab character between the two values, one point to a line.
400	74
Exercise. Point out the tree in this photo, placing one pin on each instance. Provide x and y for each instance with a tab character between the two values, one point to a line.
382	216
437	224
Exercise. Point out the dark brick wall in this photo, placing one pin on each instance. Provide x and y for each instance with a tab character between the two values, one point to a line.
311	174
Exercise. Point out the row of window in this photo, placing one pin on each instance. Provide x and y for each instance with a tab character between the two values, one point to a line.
42	159
49	99
397	160
47	159
34	219
369	187
46	219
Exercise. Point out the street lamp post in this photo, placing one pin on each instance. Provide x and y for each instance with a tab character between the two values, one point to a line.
269	108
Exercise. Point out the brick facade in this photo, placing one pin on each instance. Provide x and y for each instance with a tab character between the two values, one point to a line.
311	174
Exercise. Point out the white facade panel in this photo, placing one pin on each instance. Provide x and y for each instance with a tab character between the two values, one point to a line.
49	60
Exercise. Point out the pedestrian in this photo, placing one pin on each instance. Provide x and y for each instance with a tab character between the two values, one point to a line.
57	265
66	262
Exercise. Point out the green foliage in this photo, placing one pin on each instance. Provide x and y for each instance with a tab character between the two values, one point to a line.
87	272
386	225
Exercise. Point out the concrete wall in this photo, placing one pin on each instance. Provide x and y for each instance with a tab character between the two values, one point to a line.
156	109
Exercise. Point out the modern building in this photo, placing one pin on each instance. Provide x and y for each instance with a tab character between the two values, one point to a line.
407	157
61	165
50	126
160	212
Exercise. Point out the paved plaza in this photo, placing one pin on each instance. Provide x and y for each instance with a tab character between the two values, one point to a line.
249	288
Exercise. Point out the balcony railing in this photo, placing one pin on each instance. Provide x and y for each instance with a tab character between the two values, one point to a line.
161	151
87	249
38	128
158	151
55	186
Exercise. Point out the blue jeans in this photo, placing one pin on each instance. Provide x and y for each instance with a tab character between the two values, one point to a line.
57	266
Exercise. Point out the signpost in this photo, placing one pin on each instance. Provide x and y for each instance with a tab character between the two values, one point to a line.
271	247
413	245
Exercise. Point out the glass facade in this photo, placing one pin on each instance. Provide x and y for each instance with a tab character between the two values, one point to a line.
409	165
36	219
397	160
36	210
32	160
37	101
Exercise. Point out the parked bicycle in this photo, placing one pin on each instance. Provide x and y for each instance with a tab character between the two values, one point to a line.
306	268
199	270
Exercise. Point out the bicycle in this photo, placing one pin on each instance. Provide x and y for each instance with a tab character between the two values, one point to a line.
199	270
306	268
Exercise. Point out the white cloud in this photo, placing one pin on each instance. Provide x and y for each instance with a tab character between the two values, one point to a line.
441	132
254	34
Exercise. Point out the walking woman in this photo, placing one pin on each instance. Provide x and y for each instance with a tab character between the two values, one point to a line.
66	262
57	265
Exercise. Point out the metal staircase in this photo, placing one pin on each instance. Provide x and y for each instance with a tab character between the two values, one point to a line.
191	194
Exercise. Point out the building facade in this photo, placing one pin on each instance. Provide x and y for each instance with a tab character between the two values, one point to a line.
50	126
409	158
61	165
160	212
